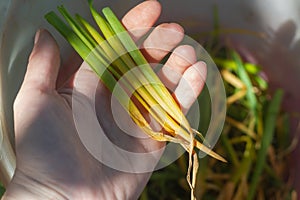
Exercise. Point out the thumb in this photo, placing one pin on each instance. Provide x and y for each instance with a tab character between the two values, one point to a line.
44	63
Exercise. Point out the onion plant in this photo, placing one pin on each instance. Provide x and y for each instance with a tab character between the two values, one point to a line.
115	58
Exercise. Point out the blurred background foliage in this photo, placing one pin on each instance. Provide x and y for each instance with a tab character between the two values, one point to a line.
255	141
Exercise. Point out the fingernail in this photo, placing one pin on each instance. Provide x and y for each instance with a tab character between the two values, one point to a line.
36	39
37	36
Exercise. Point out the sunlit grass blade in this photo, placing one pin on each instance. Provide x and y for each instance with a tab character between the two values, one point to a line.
92	31
232	65
82	34
247	81
68	34
81	48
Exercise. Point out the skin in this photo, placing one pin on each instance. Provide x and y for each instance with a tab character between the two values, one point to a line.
52	163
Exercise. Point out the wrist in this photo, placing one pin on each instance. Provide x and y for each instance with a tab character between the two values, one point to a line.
24	187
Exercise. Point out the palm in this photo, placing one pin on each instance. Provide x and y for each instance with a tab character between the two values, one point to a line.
59	152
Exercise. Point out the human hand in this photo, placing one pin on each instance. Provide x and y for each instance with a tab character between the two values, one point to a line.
52	162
